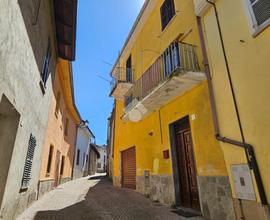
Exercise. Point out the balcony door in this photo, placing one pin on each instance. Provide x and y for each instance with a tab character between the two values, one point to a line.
129	70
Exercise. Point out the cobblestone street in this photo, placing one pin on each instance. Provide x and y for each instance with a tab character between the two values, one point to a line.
73	201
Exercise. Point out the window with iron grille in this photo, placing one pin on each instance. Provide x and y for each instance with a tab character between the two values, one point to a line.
46	64
28	162
167	11
260	12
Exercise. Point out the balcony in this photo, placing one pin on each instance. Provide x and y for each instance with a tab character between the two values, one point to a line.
121	83
175	72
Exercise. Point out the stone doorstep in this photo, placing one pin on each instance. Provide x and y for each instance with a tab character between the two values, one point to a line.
188	210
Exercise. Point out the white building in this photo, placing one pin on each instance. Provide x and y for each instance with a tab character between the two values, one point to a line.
102	161
81	162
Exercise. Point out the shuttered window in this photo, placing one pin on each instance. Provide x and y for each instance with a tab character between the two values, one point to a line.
46	64
28	162
167	11
260	11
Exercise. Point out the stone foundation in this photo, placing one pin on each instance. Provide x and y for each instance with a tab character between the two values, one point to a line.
251	210
64	180
215	197
45	186
117	181
48	185
158	187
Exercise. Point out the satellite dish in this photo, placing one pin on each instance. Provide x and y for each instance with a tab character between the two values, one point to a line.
135	115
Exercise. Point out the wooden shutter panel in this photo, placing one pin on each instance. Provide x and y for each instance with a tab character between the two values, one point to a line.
29	161
261	10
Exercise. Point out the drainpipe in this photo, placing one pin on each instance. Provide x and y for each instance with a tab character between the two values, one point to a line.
249	150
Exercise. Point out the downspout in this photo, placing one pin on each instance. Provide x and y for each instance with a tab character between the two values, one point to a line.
249	150
74	154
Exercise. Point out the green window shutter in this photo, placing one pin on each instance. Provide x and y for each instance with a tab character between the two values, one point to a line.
28	162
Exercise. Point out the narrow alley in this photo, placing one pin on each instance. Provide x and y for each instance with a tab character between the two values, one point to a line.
95	198
134	110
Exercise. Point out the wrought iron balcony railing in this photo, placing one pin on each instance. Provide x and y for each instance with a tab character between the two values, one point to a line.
123	75
177	58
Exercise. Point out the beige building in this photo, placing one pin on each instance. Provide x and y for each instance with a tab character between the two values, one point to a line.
60	142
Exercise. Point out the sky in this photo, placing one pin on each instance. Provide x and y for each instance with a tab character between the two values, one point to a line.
102	28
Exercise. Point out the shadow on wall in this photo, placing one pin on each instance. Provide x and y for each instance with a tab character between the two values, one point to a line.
35	26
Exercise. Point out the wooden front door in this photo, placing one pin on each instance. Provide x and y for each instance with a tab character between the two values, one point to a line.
129	168
189	195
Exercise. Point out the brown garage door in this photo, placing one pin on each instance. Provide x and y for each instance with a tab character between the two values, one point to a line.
129	168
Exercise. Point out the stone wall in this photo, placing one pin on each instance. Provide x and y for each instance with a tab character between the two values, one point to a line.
48	185
251	210
20	66
45	186
158	187
215	197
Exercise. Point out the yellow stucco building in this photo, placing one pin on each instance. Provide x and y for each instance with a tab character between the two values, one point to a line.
236	35
163	136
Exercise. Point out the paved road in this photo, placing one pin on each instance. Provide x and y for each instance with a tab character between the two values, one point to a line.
102	201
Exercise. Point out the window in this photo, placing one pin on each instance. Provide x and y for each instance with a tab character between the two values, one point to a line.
260	13
167	11
84	159
78	157
49	164
62	165
129	70
57	107
66	126
46	64
28	162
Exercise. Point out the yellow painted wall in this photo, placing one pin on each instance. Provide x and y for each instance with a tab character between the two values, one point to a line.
249	64
208	154
149	149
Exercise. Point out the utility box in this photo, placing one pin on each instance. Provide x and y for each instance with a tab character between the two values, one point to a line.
243	182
